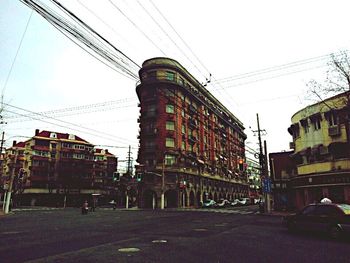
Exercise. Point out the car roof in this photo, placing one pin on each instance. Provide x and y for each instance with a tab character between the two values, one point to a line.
344	207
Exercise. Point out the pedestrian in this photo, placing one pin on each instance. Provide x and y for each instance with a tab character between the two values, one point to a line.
85	208
93	205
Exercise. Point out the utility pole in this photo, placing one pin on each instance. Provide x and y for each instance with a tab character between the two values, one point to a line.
162	197
264	175
2	142
9	191
129	162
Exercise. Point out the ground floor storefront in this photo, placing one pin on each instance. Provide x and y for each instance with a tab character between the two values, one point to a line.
312	188
186	190
59	197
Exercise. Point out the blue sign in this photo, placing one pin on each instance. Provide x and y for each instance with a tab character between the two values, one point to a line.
267	185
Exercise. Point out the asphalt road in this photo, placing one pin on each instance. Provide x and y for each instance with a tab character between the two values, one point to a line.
106	235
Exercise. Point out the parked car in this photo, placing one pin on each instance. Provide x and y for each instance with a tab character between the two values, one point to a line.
257	201
209	203
244	201
223	203
332	219
235	202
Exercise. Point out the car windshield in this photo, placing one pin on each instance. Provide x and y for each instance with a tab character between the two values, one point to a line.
345	208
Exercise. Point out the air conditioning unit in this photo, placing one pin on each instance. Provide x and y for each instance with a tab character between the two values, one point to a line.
323	150
292	145
334	130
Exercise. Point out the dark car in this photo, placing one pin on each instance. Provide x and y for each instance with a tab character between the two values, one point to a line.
332	219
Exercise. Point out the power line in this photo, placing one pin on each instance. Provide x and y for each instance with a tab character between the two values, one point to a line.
92	131
276	68
14	59
83	109
137	27
196	57
86	38
271	77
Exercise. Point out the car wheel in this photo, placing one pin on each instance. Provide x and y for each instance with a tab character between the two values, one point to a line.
334	232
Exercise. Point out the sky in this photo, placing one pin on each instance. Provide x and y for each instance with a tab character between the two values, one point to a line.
260	56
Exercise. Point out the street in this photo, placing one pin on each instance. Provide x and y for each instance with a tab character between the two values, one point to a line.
217	235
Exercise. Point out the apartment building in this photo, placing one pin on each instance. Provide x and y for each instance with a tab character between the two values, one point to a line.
322	151
191	147
58	169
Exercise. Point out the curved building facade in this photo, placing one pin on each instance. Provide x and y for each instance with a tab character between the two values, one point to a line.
191	148
322	153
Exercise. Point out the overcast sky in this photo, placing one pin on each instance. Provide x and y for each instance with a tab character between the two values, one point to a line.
224	38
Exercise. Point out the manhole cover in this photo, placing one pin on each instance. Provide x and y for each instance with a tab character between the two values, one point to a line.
223	224
10	233
129	249
159	241
200	229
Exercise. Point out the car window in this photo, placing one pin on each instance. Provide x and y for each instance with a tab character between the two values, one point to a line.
345	208
309	210
327	210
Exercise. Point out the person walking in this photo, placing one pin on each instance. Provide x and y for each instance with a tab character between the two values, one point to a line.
85	208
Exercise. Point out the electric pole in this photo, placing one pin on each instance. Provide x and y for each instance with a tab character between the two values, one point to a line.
264	174
129	162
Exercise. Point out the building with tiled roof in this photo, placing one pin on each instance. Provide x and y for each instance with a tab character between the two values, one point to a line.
58	169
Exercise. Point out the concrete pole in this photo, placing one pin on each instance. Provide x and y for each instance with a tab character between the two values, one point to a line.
163	185
268	195
126	200
3	204
9	191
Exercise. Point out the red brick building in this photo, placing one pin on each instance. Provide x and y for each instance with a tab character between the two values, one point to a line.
58	169
188	136
282	169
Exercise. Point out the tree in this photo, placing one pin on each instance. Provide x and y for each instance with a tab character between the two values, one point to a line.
337	82
337	78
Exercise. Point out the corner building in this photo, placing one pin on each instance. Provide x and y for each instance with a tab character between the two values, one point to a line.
191	148
322	151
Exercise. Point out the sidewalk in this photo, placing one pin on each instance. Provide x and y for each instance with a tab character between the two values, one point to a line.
277	213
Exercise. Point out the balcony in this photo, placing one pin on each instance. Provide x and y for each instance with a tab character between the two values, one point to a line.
192	139
292	145
192	123
334	130
150	132
192	109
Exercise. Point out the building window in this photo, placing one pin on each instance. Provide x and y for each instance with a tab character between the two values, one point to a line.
170	142
305	125
169	108
183	146
170	159
169	92
67	145
170	126
183	129
151	110
181	81
317	124
78	156
170	75
332	119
